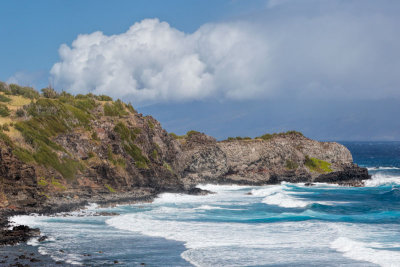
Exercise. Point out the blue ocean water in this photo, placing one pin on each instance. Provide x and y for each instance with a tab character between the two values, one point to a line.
277	225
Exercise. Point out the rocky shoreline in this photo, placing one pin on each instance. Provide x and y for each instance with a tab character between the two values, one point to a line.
66	151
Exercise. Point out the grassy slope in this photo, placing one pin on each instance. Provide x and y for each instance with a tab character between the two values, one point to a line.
34	120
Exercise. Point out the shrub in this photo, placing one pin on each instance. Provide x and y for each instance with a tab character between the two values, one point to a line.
192	132
103	98
4	111
4	87
57	184
151	124
20	113
130	108
3	98
317	165
154	154
5	127
291	165
136	153
112	190
42	182
49	92
175	136
167	166
27	92
238	138
115	109
95	136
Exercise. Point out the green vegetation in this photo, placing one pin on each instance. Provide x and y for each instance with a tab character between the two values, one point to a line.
42	182
115	109
192	132
49	92
57	184
268	136
130	108
114	159
95	136
20	113
103	98
5	127
168	167
154	154
238	138
50	114
112	190
3	98
187	135
14	89
48	118
151	124
317	165
291	165
4	111
128	137
175	136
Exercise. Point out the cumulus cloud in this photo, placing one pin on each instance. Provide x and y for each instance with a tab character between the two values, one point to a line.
155	62
284	50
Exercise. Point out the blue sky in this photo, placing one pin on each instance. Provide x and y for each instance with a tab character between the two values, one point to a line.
228	67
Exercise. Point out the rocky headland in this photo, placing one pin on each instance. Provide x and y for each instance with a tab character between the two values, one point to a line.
59	152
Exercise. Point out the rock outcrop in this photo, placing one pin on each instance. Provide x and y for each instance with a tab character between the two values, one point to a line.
258	162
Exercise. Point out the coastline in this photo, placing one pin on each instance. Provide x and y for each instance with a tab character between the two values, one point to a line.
23	253
15	250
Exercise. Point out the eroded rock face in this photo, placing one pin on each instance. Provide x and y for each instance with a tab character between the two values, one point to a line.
18	185
265	162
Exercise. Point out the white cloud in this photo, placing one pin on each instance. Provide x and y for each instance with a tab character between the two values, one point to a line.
155	62
287	50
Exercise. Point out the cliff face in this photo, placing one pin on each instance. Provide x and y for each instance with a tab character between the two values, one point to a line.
286	157
61	149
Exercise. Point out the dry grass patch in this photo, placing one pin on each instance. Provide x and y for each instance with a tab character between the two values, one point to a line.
17	101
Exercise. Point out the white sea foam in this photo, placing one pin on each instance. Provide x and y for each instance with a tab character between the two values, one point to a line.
362	251
208	207
221	188
382	179
280	195
382	168
212	244
284	200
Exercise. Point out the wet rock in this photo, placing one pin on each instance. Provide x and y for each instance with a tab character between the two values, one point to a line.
198	192
42	238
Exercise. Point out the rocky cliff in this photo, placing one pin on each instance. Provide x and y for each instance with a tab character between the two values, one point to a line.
59	150
287	157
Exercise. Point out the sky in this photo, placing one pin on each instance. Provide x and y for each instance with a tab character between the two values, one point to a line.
330	69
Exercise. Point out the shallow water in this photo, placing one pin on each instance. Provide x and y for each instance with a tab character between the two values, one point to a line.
279	225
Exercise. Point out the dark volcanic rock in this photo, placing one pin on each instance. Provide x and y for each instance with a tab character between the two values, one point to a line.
351	176
198	192
17	234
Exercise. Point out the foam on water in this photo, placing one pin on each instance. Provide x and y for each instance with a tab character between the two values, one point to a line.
240	244
366	252
382	179
382	168
280	195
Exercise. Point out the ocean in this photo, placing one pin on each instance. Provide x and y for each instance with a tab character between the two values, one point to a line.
277	225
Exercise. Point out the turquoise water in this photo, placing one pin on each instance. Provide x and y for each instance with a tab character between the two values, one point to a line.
278	225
